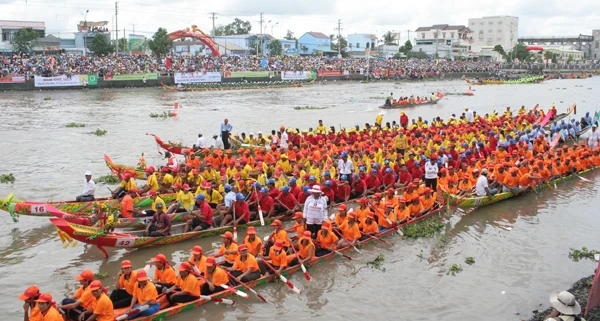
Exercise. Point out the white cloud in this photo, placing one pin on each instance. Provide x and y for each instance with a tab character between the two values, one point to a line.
536	17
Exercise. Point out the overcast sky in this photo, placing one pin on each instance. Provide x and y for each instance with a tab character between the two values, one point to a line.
536	17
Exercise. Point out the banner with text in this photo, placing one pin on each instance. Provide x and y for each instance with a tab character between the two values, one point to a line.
148	76
12	79
66	81
246	74
197	77
295	75
333	73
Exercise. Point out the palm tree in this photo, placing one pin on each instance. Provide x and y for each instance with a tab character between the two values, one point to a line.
388	38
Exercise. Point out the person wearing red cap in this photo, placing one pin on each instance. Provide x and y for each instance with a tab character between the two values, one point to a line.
186	286
253	243
279	234
214	276
198	258
427	201
151	181
229	249
415	207
164	274
342	214
350	230
386	216
277	259
369	226
48	308
299	225
305	251
103	309
82	300
245	268
184	201
126	280
31	312
144	293
326	240
127	184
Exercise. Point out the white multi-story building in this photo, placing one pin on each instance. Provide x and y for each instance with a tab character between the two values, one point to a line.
492	31
8	28
444	40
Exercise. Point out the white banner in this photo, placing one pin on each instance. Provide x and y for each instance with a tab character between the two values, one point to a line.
294	75
57	81
196	77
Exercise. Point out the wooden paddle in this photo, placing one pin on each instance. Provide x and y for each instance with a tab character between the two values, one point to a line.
235	291
342	236
248	288
375	238
132	312
335	251
260	212
288	283
306	275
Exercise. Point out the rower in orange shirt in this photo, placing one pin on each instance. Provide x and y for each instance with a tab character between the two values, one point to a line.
369	226
386	218
326	240
277	259
427	200
229	249
186	286
362	210
30	308
350	231
342	215
464	186
415	207
402	213
215	277
305	252
279	234
245	268
391	197
164	275
511	182
82	300
410	192
47	309
198	259
253	243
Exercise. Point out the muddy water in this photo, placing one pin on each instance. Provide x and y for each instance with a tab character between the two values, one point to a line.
520	246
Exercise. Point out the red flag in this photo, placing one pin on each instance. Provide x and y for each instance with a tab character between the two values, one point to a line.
168	62
440	95
594	297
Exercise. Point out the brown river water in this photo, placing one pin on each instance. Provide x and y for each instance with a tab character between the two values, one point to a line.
520	246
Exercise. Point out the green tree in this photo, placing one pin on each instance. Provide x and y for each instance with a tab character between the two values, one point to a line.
500	50
252	47
219	31
289	35
304	49
548	55
25	39
570	59
388	39
342	42
420	55
237	27
275	48
406	48
123	45
101	46
160	44
520	52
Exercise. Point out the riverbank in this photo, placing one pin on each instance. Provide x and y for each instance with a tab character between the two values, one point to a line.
29	84
581	290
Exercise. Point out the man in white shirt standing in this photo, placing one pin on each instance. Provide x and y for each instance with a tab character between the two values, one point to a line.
470	115
201	142
345	166
89	188
594	137
431	172
283	141
482	188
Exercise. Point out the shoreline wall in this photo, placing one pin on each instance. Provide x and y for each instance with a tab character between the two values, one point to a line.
29	84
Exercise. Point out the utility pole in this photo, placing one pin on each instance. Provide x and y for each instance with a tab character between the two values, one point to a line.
339	30
117	25
213	17
123	38
133	24
261	30
408	31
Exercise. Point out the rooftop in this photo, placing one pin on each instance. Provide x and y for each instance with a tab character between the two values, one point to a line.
442	27
318	34
22	24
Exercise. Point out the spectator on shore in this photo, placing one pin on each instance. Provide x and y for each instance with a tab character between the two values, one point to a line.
565	307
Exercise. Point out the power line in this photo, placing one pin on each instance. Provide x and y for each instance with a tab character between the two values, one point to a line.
117	25
339	30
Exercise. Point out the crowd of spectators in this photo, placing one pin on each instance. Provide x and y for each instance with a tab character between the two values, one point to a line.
48	65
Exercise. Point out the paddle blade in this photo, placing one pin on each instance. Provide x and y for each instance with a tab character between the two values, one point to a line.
357	250
262	219
293	287
236	291
235	236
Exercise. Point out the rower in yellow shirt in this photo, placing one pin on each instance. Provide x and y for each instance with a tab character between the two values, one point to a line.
321	129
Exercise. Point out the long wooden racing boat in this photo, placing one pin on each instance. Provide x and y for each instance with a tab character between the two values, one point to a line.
31	208
169	311
545	123
119	170
180	150
526	80
429	102
136	239
88	219
480	201
236	86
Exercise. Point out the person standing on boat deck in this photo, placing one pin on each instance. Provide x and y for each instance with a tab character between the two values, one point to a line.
31	311
565	307
89	188
593	138
315	210
226	128
283	140
431	172
201	142
160	225
345	166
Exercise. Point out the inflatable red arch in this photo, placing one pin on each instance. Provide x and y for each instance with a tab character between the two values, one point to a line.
198	34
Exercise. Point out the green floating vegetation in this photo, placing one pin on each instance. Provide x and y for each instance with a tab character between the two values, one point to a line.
74	125
420	255
470	260
164	114
100	275
308	107
454	269
425	228
108	179
576	255
4	178
47	98
99	132
377	263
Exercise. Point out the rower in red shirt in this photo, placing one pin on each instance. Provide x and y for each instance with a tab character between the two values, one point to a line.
328	191
285	202
294	188
241	211
359	187
417	171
